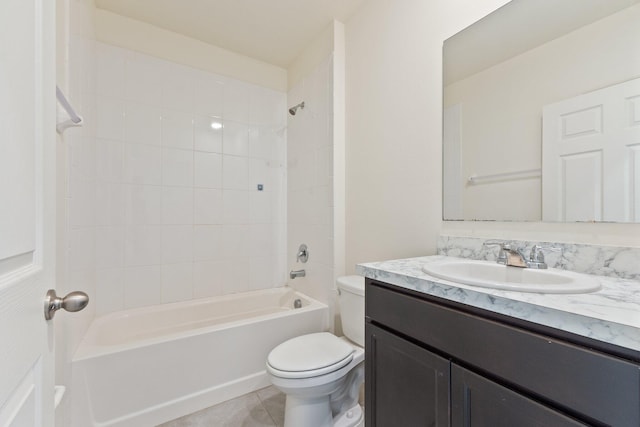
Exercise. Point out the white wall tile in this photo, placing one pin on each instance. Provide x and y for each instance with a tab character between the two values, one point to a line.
235	275
236	101
109	247
110	67
207	134
172	183
324	166
177	244
260	207
177	129
267	107
235	207
235	240
310	183
235	172
108	204
109	291
264	142
300	167
82	204
143	79
209	95
177	282
208	170
82	244
142	286
178	87
142	204
143	245
109	160
142	124
207	278
81	158
260	172
208	243
110	118
262	240
207	207
261	273
177	167
235	138
177	205
142	164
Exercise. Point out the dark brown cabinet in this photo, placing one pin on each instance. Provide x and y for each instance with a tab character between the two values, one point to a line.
433	363
477	401
410	385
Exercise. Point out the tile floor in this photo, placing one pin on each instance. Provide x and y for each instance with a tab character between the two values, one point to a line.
263	408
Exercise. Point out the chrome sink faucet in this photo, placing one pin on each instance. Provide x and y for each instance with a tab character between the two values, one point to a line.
515	257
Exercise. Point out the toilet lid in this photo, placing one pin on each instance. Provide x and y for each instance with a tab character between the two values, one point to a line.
309	355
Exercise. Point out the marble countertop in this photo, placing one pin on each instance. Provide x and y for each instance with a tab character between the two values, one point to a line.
611	314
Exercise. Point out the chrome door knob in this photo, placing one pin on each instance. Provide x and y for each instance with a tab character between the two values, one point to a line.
74	301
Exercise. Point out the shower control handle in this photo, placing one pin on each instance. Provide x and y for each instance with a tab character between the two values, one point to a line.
74	301
303	254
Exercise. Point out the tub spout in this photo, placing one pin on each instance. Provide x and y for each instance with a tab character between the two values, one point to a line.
297	273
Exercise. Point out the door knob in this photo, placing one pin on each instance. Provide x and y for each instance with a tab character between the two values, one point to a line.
74	301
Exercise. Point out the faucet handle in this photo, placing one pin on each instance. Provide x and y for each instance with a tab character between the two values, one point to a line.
303	253
536	258
502	256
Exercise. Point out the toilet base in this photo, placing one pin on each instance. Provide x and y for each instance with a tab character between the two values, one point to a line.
354	417
317	413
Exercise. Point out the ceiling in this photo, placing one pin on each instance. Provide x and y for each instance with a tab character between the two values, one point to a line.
515	28
273	31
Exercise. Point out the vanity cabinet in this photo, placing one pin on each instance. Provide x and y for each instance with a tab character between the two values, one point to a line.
478	401
409	385
430	361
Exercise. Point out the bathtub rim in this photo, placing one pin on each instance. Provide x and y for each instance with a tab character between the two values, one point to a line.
88	350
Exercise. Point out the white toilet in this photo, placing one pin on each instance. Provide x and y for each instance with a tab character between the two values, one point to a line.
320	373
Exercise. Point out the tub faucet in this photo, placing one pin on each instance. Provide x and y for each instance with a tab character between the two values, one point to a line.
297	273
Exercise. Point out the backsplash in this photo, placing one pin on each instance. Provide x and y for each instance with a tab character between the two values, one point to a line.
611	261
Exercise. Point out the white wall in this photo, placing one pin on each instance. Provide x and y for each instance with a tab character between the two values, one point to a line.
142	37
502	109
394	105
179	156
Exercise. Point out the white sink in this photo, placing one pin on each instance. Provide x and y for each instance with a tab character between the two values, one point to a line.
493	275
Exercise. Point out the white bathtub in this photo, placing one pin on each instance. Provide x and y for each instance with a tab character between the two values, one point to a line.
146	366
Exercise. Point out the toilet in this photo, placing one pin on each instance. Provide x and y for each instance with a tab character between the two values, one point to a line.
321	373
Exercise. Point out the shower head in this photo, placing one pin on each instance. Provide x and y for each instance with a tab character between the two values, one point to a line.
294	109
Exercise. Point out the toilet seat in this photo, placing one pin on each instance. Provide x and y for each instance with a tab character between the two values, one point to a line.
309	356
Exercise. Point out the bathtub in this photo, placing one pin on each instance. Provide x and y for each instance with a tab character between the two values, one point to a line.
145	366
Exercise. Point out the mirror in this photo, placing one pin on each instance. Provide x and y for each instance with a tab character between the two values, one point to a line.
542	113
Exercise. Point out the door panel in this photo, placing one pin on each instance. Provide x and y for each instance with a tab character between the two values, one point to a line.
27	221
406	385
479	402
590	143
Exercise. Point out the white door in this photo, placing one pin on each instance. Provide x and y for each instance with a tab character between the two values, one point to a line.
27	207
591	156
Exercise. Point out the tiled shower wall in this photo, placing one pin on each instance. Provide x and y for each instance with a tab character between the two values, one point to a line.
310	182
190	180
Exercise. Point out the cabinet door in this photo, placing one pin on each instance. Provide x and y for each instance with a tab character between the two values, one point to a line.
479	402
406	385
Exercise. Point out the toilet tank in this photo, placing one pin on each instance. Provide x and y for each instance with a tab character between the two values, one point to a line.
351	303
